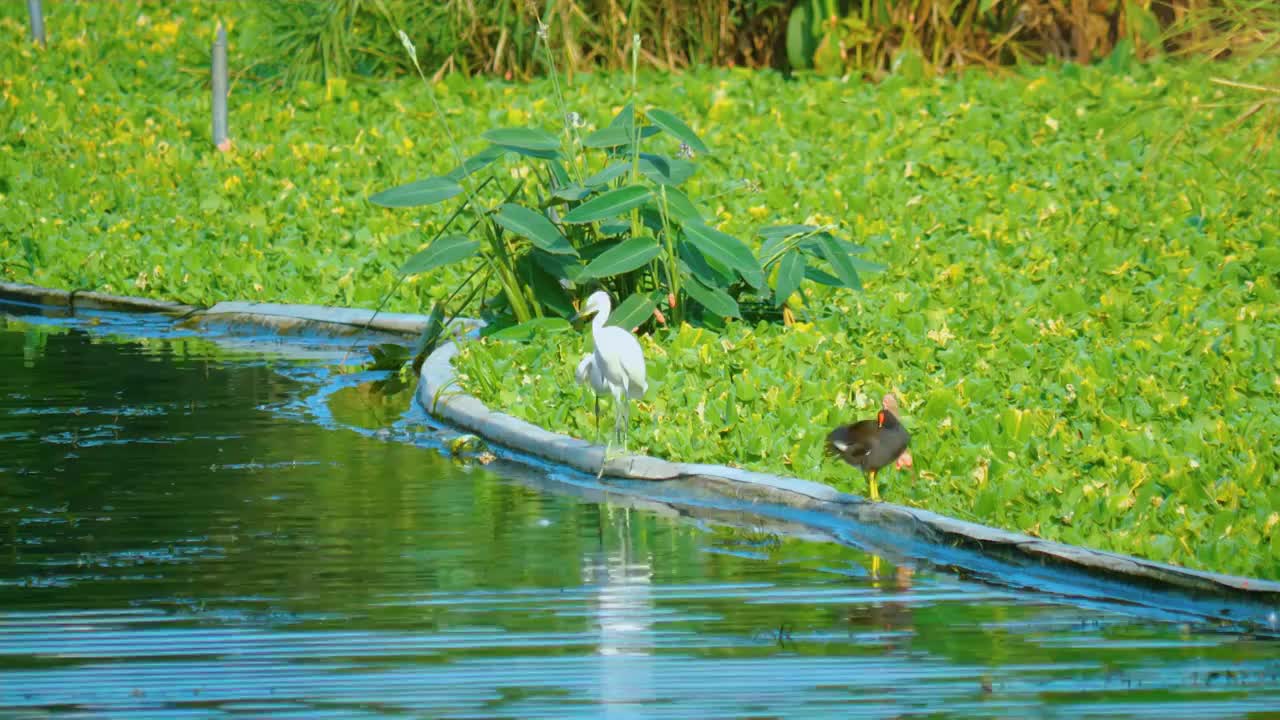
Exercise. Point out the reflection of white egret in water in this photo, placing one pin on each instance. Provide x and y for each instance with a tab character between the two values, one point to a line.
624	615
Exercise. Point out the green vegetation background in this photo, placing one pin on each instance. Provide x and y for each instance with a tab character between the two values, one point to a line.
1080	313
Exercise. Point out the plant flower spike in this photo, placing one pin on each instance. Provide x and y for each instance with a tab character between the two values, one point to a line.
409	48
873	444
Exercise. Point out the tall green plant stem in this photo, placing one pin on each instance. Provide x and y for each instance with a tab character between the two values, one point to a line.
635	126
498	254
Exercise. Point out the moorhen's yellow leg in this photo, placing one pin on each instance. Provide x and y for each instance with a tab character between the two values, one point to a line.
875	489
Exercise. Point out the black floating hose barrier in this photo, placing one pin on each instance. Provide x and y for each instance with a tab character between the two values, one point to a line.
979	551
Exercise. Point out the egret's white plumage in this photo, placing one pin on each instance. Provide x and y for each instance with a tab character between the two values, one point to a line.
589	373
617	358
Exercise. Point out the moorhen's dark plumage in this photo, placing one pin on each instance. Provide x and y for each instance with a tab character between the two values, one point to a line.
873	444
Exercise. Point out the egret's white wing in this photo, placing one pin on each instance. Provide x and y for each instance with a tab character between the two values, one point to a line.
585	368
621	361
589	372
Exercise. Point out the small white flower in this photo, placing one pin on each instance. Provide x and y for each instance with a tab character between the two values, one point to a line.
573	120
543	31
685	151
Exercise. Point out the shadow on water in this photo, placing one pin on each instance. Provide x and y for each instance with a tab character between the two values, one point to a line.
187	530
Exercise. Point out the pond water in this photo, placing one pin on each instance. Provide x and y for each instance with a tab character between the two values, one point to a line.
188	530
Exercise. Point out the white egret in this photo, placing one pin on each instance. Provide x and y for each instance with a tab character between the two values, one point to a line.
589	372
619	360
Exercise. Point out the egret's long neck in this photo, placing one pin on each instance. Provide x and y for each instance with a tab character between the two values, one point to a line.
597	322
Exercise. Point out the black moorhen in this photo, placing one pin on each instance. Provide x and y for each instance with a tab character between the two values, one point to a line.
873	444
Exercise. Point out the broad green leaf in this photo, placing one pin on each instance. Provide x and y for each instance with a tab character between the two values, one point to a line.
530	329
651	217
646	131
559	267
614	228
559	173
841	262
571	192
608	174
546	287
815	244
680	208
626	117
633	311
665	171
790	275
535	227
534	139
596	249
623	257
609	205
611	136
624	152
782	232
821	276
676	127
727	250
625	121
427	191
476	162
443	251
777	237
717	301
693	262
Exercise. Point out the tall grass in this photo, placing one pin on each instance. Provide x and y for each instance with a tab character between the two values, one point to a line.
870	37
322	39
318	40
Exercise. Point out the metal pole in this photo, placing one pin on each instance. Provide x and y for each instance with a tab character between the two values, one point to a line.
220	89
37	21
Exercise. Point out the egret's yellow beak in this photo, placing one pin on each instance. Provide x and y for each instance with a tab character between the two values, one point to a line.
583	314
